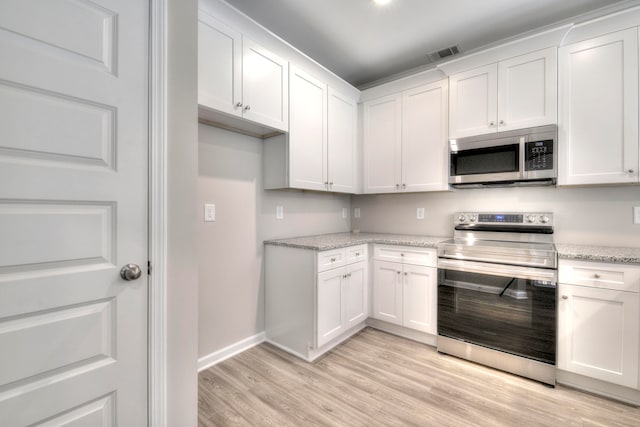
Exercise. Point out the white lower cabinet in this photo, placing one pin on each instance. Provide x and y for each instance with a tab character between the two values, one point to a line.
599	321
314	300
405	289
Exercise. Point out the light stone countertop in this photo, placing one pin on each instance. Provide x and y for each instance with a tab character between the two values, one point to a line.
325	242
598	253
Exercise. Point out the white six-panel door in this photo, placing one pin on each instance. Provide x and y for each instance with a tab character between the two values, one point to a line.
73	211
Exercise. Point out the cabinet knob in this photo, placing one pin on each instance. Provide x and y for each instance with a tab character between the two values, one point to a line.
404	185
631	171
398	272
501	122
333	260
405	273
401	254
492	124
397	185
357	253
565	297
596	276
247	107
238	104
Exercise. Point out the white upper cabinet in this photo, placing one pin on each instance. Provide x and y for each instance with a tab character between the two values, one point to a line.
342	132
382	144
598	138
516	93
424	138
219	66
319	153
405	140
307	131
239	78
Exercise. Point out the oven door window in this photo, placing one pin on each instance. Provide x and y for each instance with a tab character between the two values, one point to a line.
511	314
495	159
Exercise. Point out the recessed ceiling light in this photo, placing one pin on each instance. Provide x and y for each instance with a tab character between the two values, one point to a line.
382	2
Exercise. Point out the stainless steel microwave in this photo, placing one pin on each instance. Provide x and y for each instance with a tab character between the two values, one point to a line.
512	158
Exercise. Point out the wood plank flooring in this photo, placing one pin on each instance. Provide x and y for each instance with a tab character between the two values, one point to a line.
377	379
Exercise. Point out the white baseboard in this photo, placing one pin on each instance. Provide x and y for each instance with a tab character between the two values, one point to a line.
218	356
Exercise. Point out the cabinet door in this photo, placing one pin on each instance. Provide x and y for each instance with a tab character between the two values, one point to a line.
419	296
473	104
355	294
219	66
330	311
341	156
598	138
598	333
387	291
424	137
265	92
307	131
528	90
382	139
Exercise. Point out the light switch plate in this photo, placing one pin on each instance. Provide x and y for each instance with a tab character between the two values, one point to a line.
419	213
279	212
209	212
345	212
636	214
356	212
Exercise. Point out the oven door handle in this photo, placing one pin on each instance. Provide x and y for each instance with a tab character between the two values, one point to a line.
498	269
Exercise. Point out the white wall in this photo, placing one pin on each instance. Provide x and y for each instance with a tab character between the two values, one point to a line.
182	269
594	215
230	249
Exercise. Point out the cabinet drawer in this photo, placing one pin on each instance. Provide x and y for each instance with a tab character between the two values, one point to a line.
356	253
331	259
600	275
407	255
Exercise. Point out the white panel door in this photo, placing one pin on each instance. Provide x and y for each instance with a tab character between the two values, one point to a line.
387	291
598	333
473	103
341	155
330	310
420	294
382	144
355	293
265	89
219	66
73	211
528	90
307	131
598	126
424	137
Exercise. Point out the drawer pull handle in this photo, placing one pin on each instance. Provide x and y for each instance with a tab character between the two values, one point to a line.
597	276
565	297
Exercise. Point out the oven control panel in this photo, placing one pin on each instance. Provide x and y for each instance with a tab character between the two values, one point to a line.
508	218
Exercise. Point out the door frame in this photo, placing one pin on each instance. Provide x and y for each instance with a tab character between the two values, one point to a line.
157	285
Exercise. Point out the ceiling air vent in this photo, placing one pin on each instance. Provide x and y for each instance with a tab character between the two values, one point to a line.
443	53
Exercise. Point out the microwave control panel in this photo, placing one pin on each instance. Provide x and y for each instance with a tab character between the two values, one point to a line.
539	155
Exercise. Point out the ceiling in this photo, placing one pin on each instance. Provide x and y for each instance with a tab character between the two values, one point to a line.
363	42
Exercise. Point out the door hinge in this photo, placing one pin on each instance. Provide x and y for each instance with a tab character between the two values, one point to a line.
149	268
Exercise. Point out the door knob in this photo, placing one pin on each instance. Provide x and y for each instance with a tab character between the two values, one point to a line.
131	272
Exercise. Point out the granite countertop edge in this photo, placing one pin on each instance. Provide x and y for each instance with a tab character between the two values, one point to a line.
324	242
597	253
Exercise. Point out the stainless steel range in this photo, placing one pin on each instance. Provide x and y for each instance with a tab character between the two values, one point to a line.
497	292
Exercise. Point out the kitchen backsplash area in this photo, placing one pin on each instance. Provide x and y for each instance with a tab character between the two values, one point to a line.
587	215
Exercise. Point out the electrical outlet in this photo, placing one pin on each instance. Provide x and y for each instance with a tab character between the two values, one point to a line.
636	214
209	212
345	212
419	213
356	212
279	212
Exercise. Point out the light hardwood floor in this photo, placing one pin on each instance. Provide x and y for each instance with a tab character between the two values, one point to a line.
377	379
